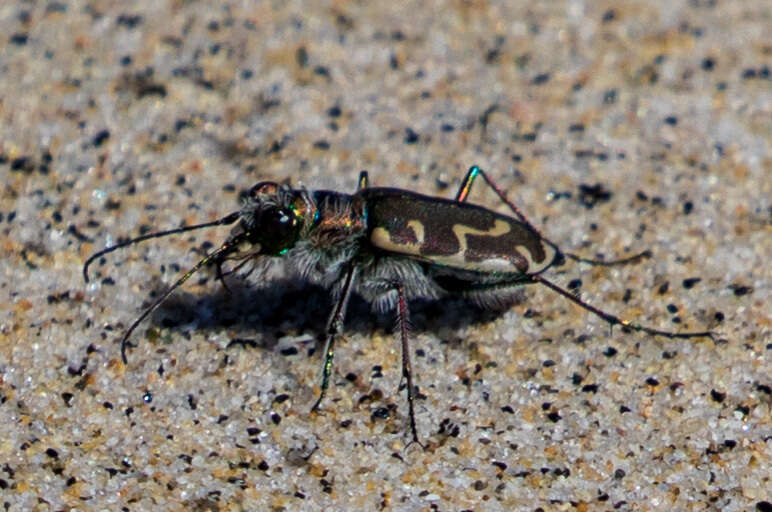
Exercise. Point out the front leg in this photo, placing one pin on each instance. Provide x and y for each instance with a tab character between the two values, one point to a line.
334	328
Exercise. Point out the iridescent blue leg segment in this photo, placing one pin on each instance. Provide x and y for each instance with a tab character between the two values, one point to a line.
363	181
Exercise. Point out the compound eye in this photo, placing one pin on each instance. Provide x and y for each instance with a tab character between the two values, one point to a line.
276	229
276	220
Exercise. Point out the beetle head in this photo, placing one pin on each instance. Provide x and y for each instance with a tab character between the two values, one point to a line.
272	219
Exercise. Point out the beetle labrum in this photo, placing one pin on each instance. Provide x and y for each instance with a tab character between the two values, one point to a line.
390	246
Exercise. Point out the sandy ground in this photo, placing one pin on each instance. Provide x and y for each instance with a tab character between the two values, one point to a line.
617	127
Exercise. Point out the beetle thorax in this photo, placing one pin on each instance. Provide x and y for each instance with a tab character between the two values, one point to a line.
339	219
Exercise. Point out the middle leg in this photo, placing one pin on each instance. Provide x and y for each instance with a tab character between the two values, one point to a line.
334	328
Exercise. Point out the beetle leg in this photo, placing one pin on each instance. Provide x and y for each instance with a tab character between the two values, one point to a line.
221	277
615	320
407	371
363	181
466	187
334	328
239	266
612	320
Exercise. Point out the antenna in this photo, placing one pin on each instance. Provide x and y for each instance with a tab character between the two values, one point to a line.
229	219
209	257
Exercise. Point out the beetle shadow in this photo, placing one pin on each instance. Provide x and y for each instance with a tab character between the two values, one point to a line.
261	315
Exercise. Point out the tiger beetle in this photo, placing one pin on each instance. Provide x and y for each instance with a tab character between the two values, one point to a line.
390	246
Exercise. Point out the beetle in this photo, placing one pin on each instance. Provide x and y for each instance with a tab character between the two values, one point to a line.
390	246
